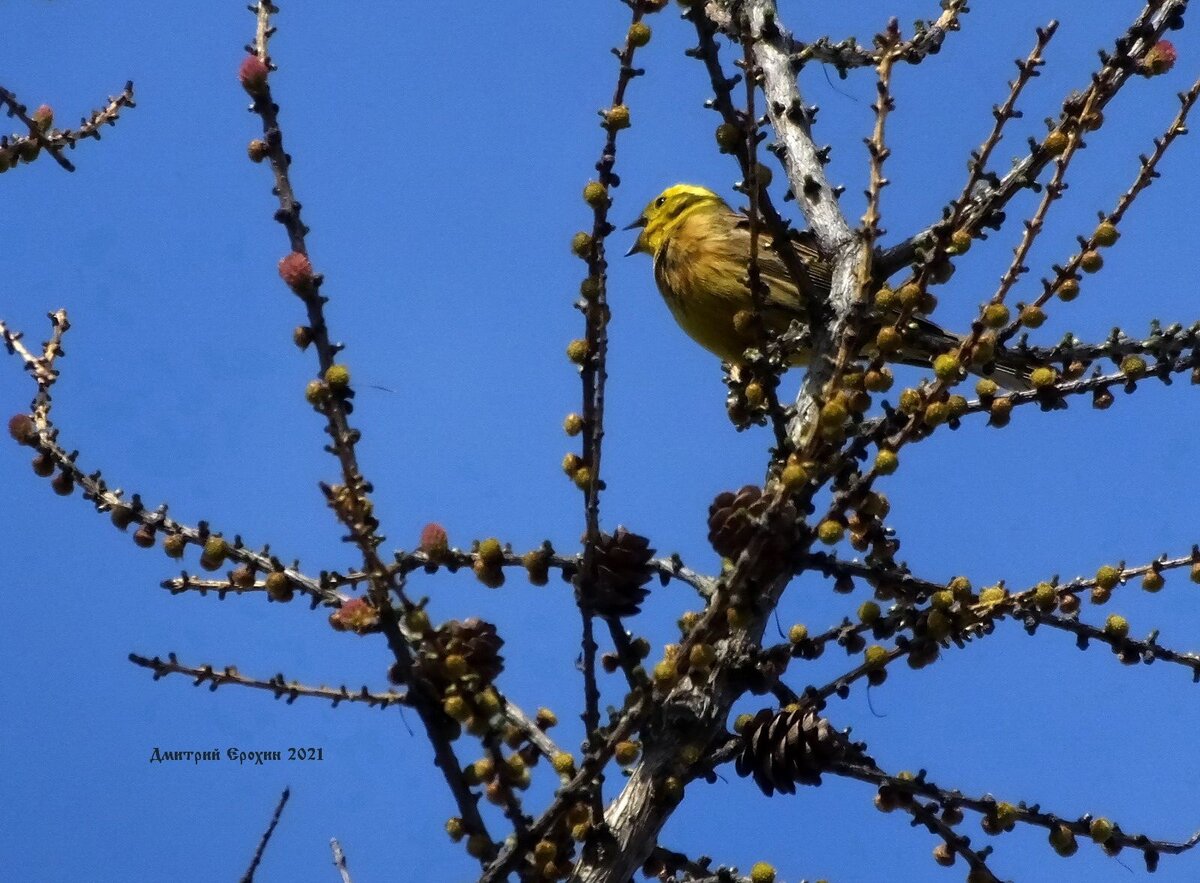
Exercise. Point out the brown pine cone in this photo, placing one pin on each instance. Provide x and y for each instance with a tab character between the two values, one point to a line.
731	524
622	571
781	749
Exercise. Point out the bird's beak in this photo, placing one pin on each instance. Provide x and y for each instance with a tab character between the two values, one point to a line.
640	222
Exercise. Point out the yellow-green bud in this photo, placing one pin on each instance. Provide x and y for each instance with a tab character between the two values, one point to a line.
993	595
454	827
490	552
215	549
639	34
762	872
1106	234
729	137
564	764
456	708
337	376
995	315
595	194
1033	316
1043	376
908	295
1133	367
960	242
797	633
876	655
946	366
572	424
1068	289
878	381
868	613
626	752
316	391
577	351
1107	577
1091	261
936	413
830	531
985	388
1062	839
581	244
1153	581
1101	830
888	340
886	462
942	600
617	117
665	673
1116	626
910	401
1055	143
794	476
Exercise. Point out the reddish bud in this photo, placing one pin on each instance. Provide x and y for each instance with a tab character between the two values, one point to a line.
434	541
1160	58
356	615
253	74
296	270
44	116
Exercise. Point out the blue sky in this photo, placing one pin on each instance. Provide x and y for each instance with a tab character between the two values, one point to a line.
439	158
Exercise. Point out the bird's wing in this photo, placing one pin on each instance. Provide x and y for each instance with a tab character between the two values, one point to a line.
783	292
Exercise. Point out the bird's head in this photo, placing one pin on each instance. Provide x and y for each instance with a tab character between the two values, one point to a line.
667	211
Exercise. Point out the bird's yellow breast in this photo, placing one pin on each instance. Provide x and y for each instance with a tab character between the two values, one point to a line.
701	271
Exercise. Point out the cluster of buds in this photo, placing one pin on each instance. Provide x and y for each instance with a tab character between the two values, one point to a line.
357	615
27	149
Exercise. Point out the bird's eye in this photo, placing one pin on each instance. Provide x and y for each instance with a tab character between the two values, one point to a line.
660	202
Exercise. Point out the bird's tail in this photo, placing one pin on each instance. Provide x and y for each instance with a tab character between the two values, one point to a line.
1010	370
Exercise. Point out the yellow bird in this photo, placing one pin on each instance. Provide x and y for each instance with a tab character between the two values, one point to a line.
701	251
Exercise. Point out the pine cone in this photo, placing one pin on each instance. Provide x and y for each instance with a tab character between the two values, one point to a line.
731	520
476	641
782	748
622	571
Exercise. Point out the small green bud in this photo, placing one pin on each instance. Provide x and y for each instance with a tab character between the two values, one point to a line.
1116	626
1101	830
830	532
595	194
1106	234
1107	577
947	367
995	315
639	34
337	376
729	137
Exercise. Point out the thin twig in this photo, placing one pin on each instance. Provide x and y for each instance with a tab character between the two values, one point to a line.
248	877
339	860
350	502
277	685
